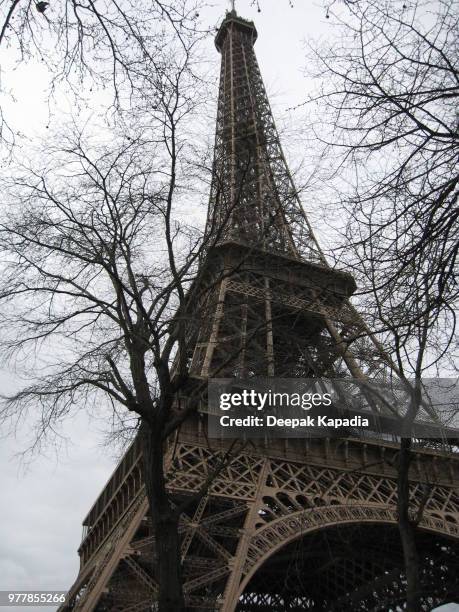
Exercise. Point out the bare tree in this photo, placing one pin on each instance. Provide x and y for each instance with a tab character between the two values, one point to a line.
415	331
98	302
388	122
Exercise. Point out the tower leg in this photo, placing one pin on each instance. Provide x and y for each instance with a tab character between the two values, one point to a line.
234	580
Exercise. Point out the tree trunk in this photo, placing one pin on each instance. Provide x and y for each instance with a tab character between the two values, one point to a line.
407	529
165	524
169	564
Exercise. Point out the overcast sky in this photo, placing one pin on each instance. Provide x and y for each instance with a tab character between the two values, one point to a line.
43	502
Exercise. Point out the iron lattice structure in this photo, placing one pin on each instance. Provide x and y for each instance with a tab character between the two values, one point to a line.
304	524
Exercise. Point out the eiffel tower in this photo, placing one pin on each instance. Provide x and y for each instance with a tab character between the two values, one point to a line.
299	524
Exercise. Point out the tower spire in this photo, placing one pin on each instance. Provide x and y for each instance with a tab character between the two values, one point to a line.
252	191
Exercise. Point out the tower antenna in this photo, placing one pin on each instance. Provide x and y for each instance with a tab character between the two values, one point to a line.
232	2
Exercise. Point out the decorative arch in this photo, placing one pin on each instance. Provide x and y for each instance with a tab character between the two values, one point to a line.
280	532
